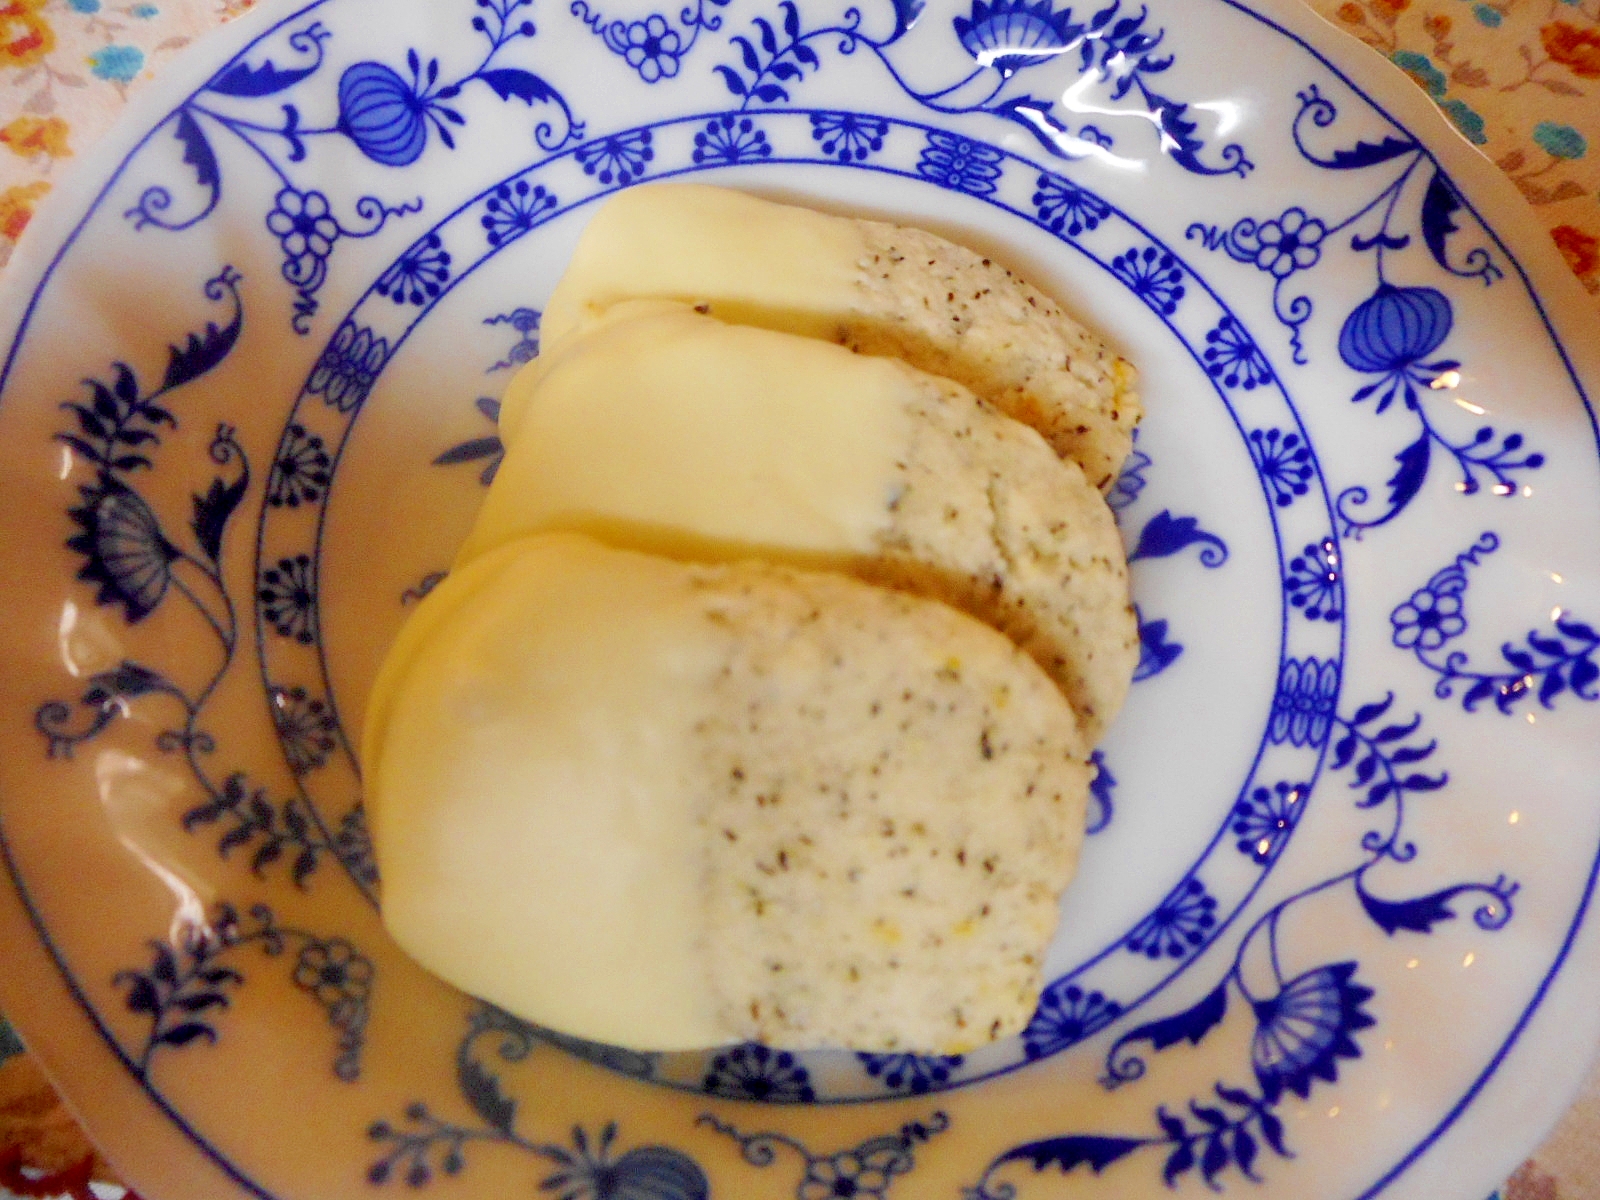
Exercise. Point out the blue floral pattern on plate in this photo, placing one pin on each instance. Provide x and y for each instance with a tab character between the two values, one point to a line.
382	188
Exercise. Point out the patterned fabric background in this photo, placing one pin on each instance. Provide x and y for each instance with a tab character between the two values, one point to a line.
66	67
1520	78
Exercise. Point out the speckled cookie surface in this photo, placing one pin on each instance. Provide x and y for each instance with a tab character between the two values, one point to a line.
895	802
952	312
988	519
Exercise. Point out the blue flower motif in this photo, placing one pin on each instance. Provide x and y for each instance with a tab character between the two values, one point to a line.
1428	76
1292	242
345	373
116	64
420	274
337	975
849	137
514	209
1010	35
1179	925
730	139
865	1173
86	7
143	11
301	471
1313	581
1428	620
1232	356
126	554
1304	1030
652	48
959	163
1466	120
1065	1016
1302	711
1283	461
305	728
1560	141
619	159
305	227
1065	207
755	1072
1153	275
911	1073
288	595
1265	818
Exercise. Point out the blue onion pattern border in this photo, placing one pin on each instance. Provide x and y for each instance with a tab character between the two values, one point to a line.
1201	904
1391	1174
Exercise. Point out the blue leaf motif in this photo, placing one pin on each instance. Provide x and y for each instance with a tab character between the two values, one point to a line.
1418	915
1439	207
481	1089
906	13
524	85
1577	630
1190	1026
769	39
182	1035
1165	535
1156	654
1366	154
1411	471
197	152
1179	1162
127	681
204	351
241	79
211	513
1065	1153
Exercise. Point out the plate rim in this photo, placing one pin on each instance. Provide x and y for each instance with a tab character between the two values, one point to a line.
1490	198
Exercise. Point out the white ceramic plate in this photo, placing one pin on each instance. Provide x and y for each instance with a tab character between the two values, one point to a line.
1323	941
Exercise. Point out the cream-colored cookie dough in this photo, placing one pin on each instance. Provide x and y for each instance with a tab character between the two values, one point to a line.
877	288
672	432
669	805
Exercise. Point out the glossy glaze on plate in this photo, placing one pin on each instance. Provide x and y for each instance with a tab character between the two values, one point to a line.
1344	836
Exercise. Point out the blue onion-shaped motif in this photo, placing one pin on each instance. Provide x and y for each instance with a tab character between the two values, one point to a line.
382	115
1304	1030
643	1173
654	1173
1393	328
1009	35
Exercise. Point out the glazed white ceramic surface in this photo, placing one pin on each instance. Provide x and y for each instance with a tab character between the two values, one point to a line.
1329	937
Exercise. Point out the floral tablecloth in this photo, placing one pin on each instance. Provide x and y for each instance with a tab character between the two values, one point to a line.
1520	78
